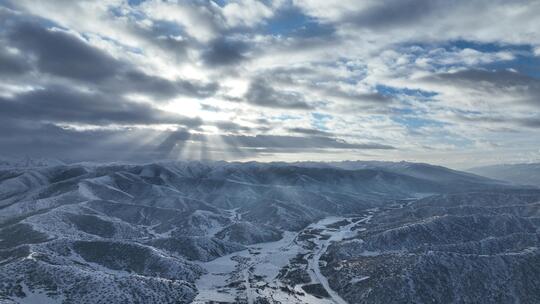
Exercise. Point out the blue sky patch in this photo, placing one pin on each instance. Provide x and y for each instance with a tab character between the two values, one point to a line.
393	91
319	120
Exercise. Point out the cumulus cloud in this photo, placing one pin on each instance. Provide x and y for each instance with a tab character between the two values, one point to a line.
246	12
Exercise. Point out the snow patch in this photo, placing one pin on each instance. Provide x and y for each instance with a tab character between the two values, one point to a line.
37	297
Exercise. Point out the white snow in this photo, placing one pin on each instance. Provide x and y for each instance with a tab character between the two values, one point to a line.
37	297
322	246
265	260
360	279
270	259
85	191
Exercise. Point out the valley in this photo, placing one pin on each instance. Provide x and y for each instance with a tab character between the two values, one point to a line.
263	271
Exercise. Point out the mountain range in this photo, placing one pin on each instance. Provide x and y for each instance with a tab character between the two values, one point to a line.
524	174
148	233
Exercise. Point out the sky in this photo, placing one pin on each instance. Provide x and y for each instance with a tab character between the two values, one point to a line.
450	82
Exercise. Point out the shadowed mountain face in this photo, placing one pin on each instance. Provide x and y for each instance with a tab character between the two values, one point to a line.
451	248
143	233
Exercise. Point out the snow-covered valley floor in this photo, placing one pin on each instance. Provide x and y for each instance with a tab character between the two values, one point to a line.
287	271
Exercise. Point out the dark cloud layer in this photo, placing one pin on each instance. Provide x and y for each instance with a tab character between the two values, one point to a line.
64	105
48	140
60	53
309	131
138	82
12	64
224	52
63	54
396	13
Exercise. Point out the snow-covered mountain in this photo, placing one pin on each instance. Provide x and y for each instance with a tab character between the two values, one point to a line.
153	233
440	174
451	248
524	174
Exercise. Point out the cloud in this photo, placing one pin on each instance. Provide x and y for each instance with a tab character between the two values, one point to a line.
261	94
224	52
395	13
508	121
228	126
500	85
12	63
458	57
253	75
139	82
299	142
202	20
65	105
63	54
246	13
308	131
173	140
324	85
431	20
120	144
532	122
252	145
473	77
360	98
48	140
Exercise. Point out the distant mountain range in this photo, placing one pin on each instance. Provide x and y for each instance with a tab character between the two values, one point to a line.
28	162
524	174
